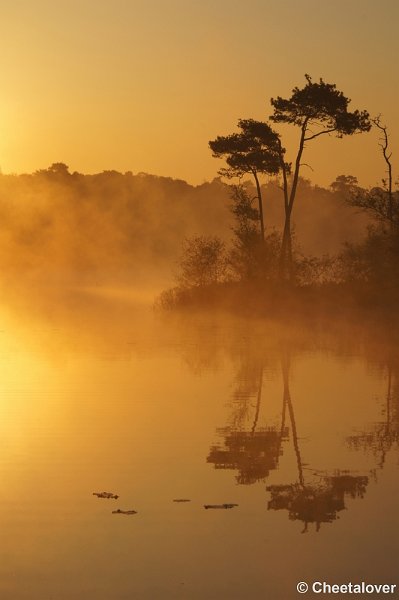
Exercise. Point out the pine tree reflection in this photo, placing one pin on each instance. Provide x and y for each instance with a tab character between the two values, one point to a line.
255	451
252	452
320	501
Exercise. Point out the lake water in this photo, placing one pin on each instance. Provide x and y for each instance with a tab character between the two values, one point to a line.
296	424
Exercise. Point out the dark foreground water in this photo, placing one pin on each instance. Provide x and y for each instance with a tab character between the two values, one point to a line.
297	424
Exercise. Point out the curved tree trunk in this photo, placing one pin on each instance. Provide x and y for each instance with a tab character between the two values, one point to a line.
260	204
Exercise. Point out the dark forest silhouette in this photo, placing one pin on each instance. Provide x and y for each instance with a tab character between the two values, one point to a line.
61	227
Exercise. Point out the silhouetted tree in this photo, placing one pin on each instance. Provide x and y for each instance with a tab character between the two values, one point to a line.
204	261
344	185
382	207
317	109
375	261
57	170
384	145
251	257
255	150
381	202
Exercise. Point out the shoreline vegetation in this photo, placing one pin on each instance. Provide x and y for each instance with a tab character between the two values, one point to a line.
361	305
260	239
264	269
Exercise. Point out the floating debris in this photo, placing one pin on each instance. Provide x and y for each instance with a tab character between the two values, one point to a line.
181	500
118	511
226	505
106	495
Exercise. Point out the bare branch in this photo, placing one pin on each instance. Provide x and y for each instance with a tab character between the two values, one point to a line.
384	143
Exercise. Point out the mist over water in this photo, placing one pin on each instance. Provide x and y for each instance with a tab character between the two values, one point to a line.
289	422
199	383
297	423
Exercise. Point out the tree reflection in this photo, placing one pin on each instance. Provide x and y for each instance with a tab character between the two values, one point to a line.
320	501
254	451
382	436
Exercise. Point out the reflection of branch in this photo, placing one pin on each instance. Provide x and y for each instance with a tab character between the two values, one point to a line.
388	420
389	398
287	401
283	417
385	433
258	401
317	503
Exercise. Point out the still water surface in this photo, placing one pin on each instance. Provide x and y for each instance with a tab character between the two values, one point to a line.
297	426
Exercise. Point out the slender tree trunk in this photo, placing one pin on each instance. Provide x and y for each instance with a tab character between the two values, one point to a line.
286	247
283	260
260	203
298	164
286	262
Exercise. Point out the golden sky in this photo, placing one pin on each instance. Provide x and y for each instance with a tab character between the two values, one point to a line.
143	85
